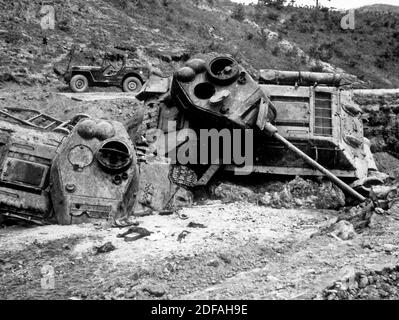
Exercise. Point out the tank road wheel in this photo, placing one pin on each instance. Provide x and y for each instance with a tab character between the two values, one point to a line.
132	84
79	83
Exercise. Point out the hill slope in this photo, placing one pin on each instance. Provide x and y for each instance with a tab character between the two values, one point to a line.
166	32
380	8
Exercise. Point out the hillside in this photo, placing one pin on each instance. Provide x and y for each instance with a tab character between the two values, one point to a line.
381	8
166	32
371	51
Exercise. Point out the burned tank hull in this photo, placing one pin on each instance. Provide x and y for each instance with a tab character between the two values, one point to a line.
219	91
94	175
88	174
103	170
85	173
303	123
26	156
316	116
323	122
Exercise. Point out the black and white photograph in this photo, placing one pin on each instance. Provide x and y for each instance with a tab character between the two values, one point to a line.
199	155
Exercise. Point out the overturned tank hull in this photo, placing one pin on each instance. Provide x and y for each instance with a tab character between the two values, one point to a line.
88	173
303	123
26	156
325	124
90	170
94	175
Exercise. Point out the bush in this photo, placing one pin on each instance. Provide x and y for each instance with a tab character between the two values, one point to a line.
278	4
276	51
379	63
322	52
13	36
238	12
317	67
272	16
63	25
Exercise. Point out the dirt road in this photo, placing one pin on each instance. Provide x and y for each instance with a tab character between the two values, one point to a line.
245	252
96	96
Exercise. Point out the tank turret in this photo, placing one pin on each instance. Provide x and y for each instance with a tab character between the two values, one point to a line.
219	90
94	175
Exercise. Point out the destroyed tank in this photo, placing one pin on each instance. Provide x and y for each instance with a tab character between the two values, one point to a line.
78	171
315	114
88	169
304	123
67	178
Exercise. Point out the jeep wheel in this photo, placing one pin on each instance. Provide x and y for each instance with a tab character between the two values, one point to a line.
79	83
132	84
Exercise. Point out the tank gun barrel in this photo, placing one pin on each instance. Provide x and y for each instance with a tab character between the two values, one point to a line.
271	130
268	76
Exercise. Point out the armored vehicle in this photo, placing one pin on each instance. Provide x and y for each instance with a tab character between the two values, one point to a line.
78	171
47	176
304	124
89	169
320	118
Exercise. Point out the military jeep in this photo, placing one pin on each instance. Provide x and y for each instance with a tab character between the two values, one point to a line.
113	71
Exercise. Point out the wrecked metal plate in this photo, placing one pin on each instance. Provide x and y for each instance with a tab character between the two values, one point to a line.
81	156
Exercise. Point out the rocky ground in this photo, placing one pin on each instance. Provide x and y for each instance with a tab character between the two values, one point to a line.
265	241
237	251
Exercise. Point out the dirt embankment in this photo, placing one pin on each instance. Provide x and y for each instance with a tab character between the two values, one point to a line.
48	100
381	119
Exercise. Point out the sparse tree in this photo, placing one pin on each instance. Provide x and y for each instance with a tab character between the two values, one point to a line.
278	4
238	12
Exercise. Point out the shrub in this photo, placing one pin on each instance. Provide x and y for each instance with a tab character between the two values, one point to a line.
238	12
13	36
276	51
272	15
63	25
317	67
379	63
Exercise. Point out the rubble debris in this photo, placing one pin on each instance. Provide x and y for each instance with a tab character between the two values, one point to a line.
389	247
144	213
388	164
182	235
166	212
344	230
125	222
134	233
225	258
383	192
298	193
154	290
359	216
119	293
232	193
38	244
196	225
367	285
213	263
385	197
182	216
105	248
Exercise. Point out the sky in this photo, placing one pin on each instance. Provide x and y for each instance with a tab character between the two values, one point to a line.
339	4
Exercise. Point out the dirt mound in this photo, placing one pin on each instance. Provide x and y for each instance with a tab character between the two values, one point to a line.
298	193
371	285
388	164
381	115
